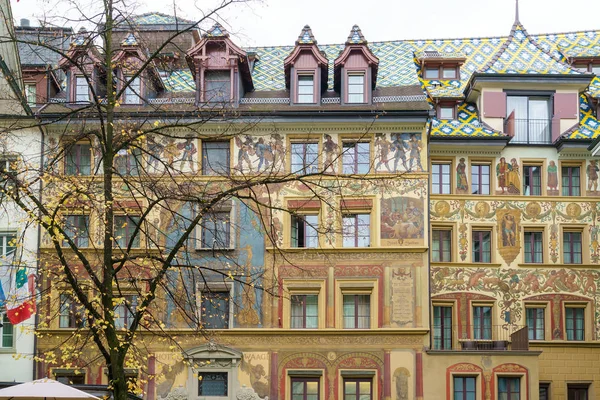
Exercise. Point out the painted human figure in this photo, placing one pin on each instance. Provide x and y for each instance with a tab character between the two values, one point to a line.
553	176
415	151
277	148
400	151
245	148
155	150
502	170
461	176
384	151
508	230
264	154
189	149
330	147
170	151
513	178
592	173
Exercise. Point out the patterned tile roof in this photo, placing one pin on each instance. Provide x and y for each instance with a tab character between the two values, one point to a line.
589	127
467	124
156	18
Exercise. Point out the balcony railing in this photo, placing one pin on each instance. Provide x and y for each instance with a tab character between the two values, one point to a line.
481	338
529	131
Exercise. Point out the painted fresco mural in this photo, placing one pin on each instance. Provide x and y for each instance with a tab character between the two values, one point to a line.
399	152
255	154
402	221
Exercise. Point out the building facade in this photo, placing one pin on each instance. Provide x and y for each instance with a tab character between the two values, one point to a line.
460	264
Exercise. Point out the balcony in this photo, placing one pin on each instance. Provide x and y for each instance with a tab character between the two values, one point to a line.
528	131
488	338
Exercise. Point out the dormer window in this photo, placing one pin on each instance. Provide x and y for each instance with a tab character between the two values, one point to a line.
447	111
306	88
355	70
449	73
82	91
356	88
432	73
217	86
440	65
441	72
133	92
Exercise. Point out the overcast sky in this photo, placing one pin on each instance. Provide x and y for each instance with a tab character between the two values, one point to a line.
278	22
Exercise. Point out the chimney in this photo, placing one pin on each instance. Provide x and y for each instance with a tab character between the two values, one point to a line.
24	23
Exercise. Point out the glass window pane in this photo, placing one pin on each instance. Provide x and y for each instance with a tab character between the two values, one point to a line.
215	158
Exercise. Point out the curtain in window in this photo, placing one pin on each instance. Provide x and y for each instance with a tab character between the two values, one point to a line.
482	321
519	105
539	120
442	327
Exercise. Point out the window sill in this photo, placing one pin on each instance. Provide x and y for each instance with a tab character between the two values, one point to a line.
557	265
414	249
204	249
463	264
7	350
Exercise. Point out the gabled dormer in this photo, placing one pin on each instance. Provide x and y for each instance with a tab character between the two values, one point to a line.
127	61
85	75
221	69
440	66
355	70
306	70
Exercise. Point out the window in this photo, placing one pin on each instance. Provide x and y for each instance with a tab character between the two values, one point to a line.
6	332
123	231
69	376
509	388
133	92
482	322
127	161
356	230
575	323
480	179
216	231
357	311
78	159
449	73
441	245
544	391
304	231
442	327
306	89
31	94
305	388
446	112
304	311
8	166
534	317
213	384
571	181
596	69
482	246
356	158
532	180
71	314
214	312
8	244
531	119
125	311
217	86
440	178
215	158
572	248
432	73
358	389
356	88
77	229
533	247
464	388
82	92
577	391
305	158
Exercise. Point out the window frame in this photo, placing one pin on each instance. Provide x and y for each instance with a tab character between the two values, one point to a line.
305	381
212	100
437	169
76	163
532	253
4	335
480	175
128	162
304	317
299	219
357	381
69	373
547	387
75	314
129	219
80	82
300	96
31	95
358	238
578	387
130	301
214	288
570	231
570	187
6	236
363	85
531	96
465	392
356	155
78	240
479	332
446	106
211	372
356	315
528	166
214	215
481	231
441	68
443	327
572	307
441	250
368	286
133	90
510	395
292	287
206	169
534	329
311	165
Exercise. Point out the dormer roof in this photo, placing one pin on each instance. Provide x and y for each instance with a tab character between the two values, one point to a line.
81	47
218	34
131	56
306	42
521	54
356	42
